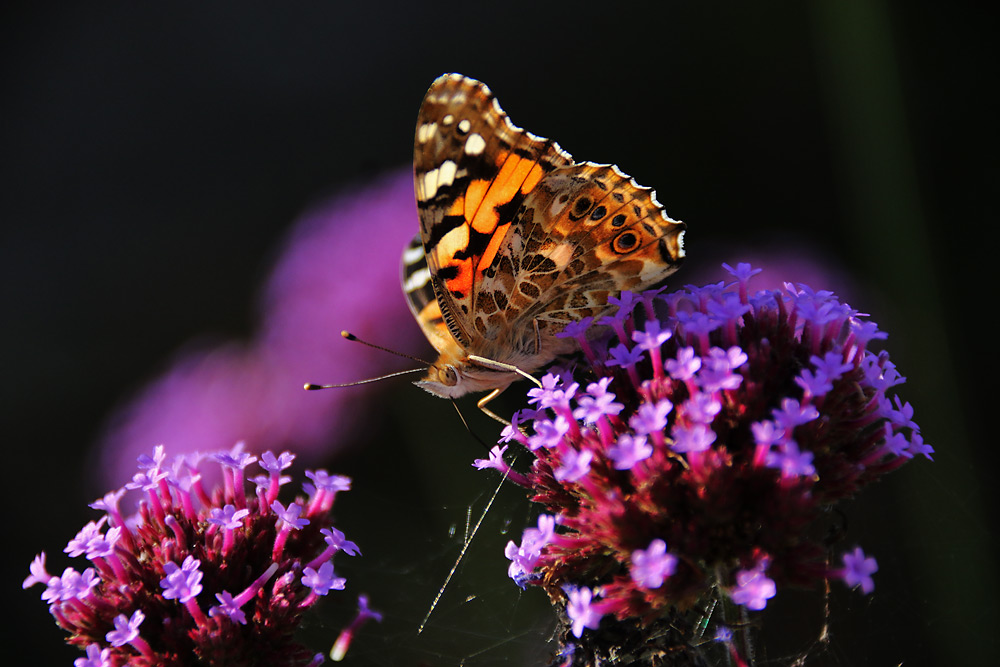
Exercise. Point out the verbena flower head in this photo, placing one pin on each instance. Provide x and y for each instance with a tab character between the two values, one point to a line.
699	461
199	577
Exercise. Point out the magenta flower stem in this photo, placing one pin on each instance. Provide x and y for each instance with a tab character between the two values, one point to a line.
142	646
196	613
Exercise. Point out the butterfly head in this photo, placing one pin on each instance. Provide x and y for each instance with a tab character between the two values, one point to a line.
451	380
443	380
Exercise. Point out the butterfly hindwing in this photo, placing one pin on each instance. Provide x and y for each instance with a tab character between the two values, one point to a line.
415	277
586	232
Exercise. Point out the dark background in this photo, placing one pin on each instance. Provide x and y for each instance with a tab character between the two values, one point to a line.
155	154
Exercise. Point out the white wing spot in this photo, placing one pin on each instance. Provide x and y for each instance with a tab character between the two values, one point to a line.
447	175
475	144
448	120
631	181
430	186
435	178
464	125
417	280
496	107
510	126
426	131
560	151
413	255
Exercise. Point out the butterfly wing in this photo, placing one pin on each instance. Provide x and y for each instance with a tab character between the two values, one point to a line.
417	286
585	233
472	170
516	239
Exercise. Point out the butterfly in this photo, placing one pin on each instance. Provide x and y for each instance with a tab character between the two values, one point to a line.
517	240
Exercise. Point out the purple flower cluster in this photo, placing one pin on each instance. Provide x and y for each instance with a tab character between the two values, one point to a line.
714	430
256	563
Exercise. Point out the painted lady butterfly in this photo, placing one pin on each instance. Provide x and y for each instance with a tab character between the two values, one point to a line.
516	241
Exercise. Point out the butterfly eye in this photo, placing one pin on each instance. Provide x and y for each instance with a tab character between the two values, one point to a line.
447	376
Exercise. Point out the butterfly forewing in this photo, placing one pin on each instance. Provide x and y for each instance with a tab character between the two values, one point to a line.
472	168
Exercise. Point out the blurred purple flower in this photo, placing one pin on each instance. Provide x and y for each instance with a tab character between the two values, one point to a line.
365	614
581	610
785	262
858	570
333	274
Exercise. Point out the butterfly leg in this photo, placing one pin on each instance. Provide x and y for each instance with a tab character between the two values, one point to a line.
481	404
497	366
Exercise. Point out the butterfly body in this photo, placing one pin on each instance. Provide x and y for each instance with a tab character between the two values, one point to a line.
516	241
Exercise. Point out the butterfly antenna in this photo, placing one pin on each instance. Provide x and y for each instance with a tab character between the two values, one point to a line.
308	386
349	336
